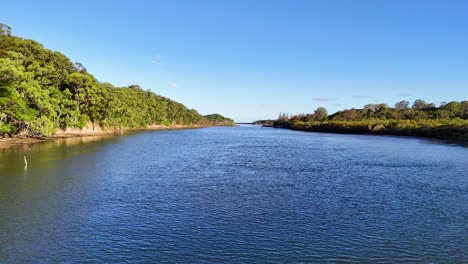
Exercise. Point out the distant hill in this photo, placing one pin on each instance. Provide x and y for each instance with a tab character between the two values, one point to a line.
266	122
42	91
219	120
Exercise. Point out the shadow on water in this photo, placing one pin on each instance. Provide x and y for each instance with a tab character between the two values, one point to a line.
38	154
435	141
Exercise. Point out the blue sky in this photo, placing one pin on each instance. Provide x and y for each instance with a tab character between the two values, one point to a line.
251	60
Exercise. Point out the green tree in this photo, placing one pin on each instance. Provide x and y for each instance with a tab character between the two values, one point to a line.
42	90
14	111
419	104
454	108
5	30
402	105
464	109
320	114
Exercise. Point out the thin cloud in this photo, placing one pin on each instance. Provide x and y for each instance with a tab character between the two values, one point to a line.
322	99
172	84
157	60
357	96
404	94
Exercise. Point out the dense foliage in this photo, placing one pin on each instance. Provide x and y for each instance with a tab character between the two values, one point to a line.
264	122
42	91
449	120
219	120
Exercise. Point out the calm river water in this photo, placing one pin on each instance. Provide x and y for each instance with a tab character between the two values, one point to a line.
240	194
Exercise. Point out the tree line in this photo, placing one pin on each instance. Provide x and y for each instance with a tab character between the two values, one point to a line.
42	91
448	120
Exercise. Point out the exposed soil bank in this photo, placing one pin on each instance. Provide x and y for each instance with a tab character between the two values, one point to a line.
88	131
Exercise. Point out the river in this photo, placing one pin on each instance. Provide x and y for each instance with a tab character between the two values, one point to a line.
234	194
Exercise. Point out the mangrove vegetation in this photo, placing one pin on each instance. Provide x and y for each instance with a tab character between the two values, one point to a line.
446	121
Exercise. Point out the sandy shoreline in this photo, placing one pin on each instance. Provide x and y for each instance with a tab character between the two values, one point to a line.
18	141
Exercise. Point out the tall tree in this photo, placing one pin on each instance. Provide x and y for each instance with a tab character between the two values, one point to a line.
5	30
402	105
419	104
321	114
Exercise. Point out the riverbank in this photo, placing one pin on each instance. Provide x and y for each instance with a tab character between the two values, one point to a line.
454	130
88	131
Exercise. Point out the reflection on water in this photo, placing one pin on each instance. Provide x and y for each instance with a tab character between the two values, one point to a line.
240	194
41	152
53	143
